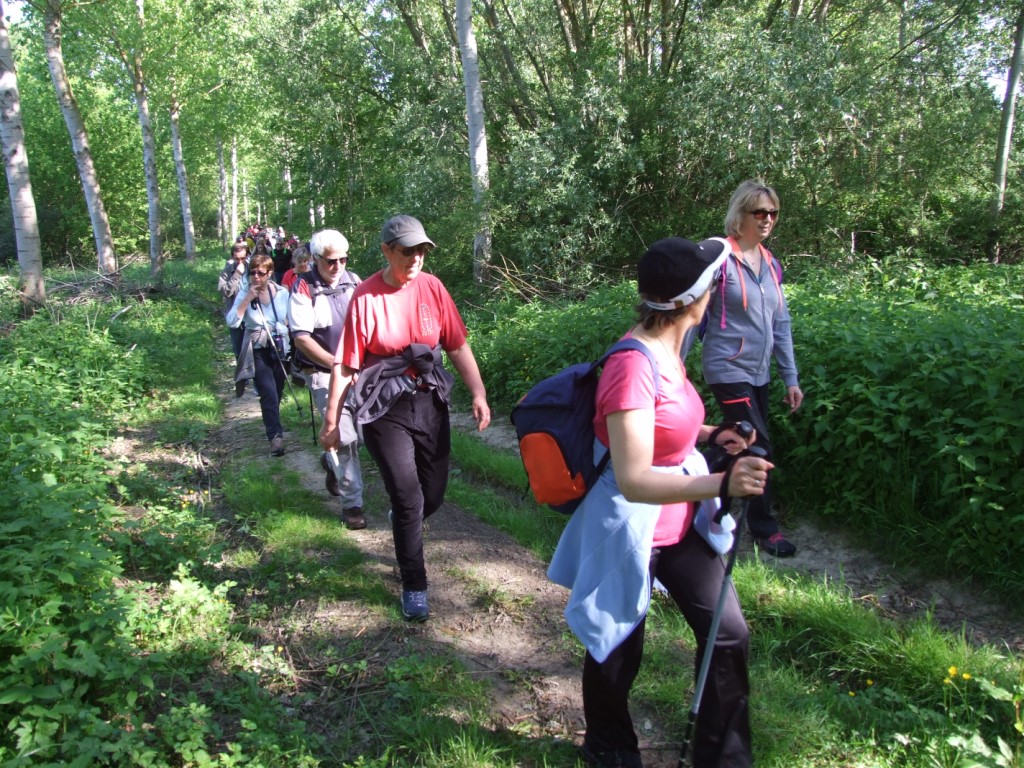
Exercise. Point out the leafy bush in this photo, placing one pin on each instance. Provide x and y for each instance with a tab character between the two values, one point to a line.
913	426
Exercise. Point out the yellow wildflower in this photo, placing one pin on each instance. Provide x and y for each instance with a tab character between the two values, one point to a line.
952	671
966	675
853	693
870	682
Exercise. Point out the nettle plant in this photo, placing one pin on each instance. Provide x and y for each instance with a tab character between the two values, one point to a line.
913	426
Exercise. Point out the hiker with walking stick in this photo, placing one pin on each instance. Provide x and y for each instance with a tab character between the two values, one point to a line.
636	523
319	303
263	311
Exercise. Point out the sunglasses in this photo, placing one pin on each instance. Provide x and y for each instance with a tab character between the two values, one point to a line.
334	262
763	213
413	250
259	272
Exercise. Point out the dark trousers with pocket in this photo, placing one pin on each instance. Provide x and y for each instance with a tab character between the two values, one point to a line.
745	402
692	573
411	445
269	380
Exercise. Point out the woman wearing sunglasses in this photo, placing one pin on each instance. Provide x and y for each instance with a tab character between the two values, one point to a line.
747	325
262	311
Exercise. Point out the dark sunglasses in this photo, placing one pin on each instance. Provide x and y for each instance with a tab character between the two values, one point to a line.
763	213
412	250
334	262
259	272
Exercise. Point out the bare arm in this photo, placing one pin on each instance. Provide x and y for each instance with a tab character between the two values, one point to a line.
464	362
341	380
631	434
307	345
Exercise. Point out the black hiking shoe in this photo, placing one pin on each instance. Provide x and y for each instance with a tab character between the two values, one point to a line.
611	758
777	545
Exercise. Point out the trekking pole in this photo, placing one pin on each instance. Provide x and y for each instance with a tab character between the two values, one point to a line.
716	618
280	361
312	425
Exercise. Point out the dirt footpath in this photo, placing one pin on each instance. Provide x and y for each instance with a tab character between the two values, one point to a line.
492	604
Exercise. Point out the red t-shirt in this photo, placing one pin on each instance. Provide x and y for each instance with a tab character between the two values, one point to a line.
383	320
627	384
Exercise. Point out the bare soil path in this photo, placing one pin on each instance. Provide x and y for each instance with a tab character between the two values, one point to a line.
493	606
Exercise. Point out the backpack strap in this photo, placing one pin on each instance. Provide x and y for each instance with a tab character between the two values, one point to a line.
620	346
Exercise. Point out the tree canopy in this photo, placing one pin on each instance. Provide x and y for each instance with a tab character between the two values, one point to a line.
607	125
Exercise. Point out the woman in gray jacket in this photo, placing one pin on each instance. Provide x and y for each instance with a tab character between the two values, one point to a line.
747	325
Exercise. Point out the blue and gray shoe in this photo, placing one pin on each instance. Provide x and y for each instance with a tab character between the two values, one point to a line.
414	605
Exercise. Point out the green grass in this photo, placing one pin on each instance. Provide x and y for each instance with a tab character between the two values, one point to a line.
154	614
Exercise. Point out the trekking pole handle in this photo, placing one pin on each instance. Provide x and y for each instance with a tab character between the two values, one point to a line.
723	489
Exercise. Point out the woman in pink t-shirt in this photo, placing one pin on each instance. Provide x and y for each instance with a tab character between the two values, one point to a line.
398	322
650	430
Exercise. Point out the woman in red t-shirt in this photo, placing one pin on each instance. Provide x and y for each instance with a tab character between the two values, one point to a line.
649	431
409	437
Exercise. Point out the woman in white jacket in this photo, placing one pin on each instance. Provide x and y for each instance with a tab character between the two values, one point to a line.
262	311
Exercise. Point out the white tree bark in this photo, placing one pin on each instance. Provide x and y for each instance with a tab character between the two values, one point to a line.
234	188
106	259
1005	138
477	136
222	194
19	184
291	201
179	166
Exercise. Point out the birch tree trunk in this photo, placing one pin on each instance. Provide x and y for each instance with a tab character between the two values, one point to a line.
222	194
106	259
1005	140
477	137
234	188
19	184
179	166
291	201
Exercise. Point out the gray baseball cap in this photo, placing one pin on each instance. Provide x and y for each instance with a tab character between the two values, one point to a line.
405	230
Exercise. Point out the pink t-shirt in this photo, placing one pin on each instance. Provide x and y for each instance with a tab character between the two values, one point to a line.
627	384
383	320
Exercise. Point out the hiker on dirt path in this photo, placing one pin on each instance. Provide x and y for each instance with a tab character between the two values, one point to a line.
229	283
263	312
748	324
635	525
317	308
399	322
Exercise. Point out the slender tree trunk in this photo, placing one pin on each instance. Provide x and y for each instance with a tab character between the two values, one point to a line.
291	200
245	201
106	259
1005	139
235	232
186	201
222	194
149	168
19	184
477	137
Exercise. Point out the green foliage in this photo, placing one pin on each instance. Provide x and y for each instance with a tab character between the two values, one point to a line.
912	425
518	344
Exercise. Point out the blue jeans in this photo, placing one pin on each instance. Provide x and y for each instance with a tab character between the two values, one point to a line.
411	445
269	379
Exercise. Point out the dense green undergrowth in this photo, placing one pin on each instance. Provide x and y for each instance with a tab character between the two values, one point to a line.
151	614
912	431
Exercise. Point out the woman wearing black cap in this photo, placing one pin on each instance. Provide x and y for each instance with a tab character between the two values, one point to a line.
399	321
636	523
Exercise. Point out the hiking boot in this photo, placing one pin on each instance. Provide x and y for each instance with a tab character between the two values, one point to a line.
240	388
612	758
777	545
353	517
330	479
277	445
414	606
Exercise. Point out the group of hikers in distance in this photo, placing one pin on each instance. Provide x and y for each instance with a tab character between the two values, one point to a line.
370	352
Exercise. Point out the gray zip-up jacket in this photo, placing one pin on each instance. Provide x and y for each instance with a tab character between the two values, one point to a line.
740	341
